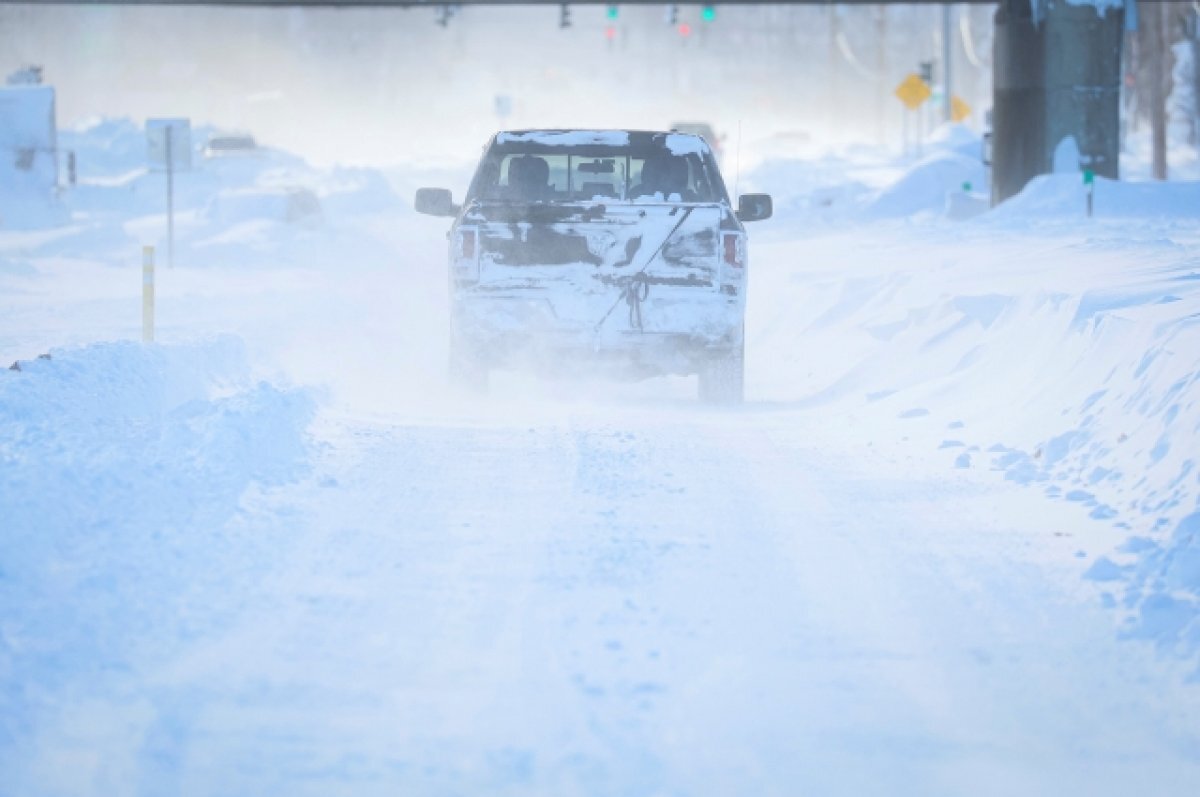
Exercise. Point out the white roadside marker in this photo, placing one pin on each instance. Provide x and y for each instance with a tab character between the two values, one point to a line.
147	294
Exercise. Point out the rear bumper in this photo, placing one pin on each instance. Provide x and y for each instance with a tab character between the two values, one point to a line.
678	334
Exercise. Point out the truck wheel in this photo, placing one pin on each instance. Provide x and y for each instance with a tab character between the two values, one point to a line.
722	378
468	371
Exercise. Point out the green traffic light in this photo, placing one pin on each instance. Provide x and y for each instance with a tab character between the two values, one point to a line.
613	11
708	13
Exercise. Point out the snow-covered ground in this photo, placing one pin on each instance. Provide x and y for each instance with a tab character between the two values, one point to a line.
950	545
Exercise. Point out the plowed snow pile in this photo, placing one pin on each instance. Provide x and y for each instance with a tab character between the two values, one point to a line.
1070	366
123	469
1059	350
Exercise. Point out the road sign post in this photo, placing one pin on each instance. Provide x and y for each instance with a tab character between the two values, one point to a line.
913	92
947	73
170	203
147	294
169	149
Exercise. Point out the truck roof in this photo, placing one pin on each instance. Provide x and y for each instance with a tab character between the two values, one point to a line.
676	143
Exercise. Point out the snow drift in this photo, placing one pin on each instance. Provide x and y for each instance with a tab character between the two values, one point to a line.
1071	367
1064	196
122	468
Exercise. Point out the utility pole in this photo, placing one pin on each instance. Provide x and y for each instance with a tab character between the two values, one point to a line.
1154	17
170	202
1057	75
1191	35
832	61
948	111
881	69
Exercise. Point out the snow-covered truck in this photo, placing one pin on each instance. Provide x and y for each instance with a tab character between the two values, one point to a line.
613	251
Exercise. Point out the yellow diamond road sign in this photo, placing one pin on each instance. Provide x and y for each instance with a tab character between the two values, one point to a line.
959	109
913	91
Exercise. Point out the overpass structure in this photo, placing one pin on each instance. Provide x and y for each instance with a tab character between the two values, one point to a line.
1056	73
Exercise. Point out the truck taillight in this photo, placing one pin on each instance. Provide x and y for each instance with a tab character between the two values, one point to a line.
466	244
734	250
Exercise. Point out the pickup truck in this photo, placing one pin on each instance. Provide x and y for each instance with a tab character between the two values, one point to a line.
598	250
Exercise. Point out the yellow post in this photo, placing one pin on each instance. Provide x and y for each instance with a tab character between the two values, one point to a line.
147	294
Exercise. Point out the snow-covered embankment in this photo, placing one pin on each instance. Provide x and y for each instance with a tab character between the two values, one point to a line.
124	472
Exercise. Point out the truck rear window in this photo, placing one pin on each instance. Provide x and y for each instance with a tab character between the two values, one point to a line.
530	172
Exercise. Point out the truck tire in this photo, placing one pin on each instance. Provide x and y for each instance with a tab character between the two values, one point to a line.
722	379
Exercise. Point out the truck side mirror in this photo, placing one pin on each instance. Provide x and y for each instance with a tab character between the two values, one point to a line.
435	202
754	207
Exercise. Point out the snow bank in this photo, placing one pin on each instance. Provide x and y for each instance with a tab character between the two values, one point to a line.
30	212
110	157
804	190
1125	446
1163	597
105	148
864	184
355	191
957	138
292	206
120	466
1067	362
1059	196
261	209
924	187
951	183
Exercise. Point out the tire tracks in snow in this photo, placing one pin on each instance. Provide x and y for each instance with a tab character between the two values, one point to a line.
634	599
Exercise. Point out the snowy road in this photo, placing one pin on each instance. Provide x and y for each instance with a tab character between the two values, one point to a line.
637	599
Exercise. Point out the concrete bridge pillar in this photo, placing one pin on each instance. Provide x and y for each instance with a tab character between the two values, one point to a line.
1057	87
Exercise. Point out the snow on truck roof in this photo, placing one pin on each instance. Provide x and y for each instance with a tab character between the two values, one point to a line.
676	143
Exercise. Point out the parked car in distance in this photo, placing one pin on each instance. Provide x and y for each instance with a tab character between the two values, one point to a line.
226	145
598	250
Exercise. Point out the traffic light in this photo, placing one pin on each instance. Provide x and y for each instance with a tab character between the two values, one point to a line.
672	15
564	16
613	12
708	13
